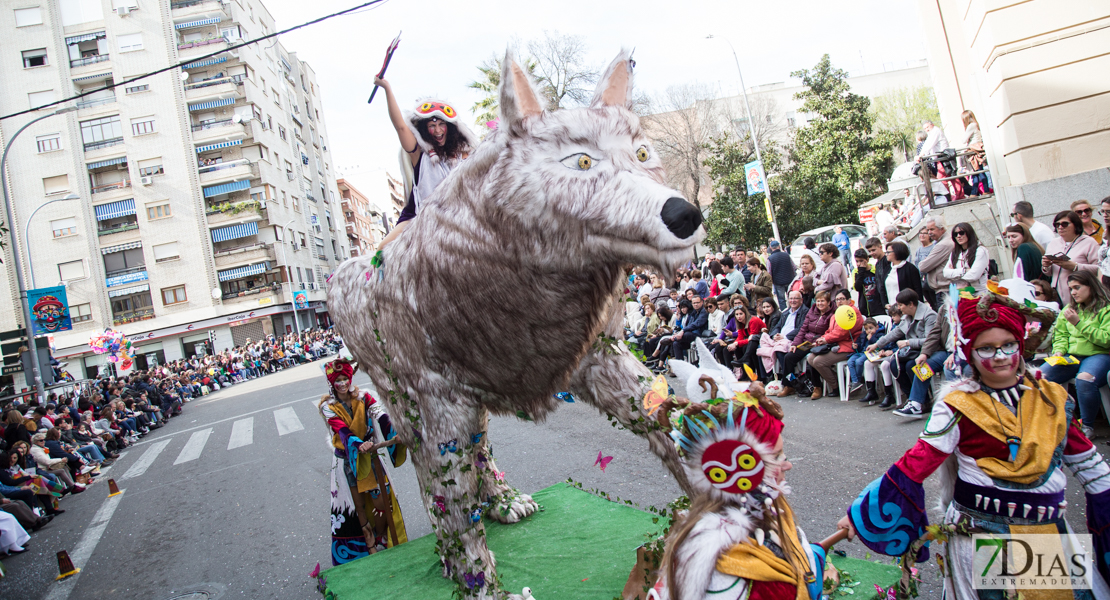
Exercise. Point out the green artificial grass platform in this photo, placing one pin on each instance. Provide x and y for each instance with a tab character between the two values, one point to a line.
578	546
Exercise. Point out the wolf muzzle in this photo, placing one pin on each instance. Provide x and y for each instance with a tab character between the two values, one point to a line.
681	217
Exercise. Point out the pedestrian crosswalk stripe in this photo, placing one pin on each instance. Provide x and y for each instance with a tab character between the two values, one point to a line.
194	446
287	421
242	433
145	460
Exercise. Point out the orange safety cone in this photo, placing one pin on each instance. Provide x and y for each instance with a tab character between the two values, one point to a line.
65	566
113	489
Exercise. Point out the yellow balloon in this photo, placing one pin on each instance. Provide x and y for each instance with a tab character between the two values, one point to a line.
846	317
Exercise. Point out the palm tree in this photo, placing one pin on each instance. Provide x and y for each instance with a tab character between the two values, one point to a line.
489	83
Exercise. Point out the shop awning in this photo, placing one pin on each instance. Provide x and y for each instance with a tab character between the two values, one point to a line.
211	104
205	63
107	163
235	232
121	247
247	271
218	146
226	188
200	23
135	289
112	210
84	37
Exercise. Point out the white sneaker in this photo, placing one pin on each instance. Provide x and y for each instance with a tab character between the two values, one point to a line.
912	410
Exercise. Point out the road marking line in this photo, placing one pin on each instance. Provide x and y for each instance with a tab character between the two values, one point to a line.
315	398
145	460
193	447
86	545
287	421
242	433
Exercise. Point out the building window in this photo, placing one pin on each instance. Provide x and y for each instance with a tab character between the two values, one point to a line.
150	167
130	42
55	185
80	313
173	295
296	204
37	99
64	227
49	142
28	16
101	133
304	244
160	211
168	251
34	58
69	271
142	125
281	133
138	88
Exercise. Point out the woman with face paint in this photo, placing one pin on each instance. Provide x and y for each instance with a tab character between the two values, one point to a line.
365	517
998	440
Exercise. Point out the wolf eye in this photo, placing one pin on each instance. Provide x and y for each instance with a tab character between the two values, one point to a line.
579	162
642	154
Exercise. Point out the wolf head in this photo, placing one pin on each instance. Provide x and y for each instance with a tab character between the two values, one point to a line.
586	181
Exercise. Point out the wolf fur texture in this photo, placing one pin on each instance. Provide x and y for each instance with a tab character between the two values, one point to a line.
508	288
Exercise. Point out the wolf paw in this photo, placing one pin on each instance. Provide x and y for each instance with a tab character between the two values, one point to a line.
512	506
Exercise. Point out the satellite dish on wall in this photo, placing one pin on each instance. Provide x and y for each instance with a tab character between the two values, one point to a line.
216	293
184	76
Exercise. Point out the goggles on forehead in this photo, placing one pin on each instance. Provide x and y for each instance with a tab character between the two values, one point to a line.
428	108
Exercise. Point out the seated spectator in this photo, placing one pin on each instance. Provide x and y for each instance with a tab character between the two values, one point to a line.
872	332
716	316
14	429
53	466
807	267
823	366
816	325
695	324
1024	248
34	490
741	351
1070	251
729	333
1083	331
769	313
700	287
936	352
909	336
659	294
661	335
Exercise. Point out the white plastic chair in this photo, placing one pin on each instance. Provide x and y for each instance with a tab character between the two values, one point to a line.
843	378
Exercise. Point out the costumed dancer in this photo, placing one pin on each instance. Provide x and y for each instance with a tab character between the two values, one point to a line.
739	540
998	439
433	143
365	517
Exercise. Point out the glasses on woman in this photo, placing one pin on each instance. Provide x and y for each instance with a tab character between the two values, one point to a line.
989	352
1061	224
960	232
1085	211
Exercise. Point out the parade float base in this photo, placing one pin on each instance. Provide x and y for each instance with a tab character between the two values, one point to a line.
579	546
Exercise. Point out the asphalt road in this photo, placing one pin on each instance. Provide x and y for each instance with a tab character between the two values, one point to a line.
252	521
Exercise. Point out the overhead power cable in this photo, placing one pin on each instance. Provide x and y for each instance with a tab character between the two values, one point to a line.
353	9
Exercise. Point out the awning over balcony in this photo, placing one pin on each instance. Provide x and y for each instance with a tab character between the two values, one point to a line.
218	146
84	37
200	23
235	232
135	289
112	210
247	271
121	247
226	188
104	75
211	104
107	163
205	63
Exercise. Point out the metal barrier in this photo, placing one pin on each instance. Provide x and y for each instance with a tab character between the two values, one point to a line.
81	386
926	175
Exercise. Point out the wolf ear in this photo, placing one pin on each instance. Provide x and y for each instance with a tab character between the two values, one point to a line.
518	98
615	86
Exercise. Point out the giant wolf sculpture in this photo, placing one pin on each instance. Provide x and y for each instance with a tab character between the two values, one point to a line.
507	289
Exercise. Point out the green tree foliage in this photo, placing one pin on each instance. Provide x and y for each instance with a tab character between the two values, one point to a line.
734	217
901	112
838	161
488	83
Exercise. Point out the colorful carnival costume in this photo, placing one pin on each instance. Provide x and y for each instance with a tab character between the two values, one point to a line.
351	423
999	453
739	540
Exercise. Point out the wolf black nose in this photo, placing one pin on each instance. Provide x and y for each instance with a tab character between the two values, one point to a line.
681	217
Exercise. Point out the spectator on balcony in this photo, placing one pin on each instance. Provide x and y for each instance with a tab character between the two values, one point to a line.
935	142
976	159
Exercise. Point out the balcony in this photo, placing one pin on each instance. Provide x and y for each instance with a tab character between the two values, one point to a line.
189	10
215	88
108	188
92	102
125	276
88	60
188	50
254	295
141	314
251	253
237	212
227	171
221	130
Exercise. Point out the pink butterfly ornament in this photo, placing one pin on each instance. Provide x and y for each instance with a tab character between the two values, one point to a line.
603	461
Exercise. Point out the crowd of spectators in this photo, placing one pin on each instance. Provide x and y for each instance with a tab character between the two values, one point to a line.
763	315
55	448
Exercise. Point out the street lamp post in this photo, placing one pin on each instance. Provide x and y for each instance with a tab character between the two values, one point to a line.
27	234
28	326
292	292
755	142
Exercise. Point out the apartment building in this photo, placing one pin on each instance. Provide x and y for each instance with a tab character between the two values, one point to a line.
205	195
363	221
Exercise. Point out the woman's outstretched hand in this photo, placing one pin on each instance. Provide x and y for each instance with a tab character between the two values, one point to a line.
846	523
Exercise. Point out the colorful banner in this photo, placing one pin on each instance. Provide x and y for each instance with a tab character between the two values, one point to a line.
49	310
757	183
300	300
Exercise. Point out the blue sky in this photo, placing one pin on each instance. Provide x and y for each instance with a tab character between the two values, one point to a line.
444	41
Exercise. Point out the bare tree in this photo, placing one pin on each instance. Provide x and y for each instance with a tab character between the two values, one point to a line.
770	126
561	69
684	119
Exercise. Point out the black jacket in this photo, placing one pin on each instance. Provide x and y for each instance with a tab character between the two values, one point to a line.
909	278
782	268
798	320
